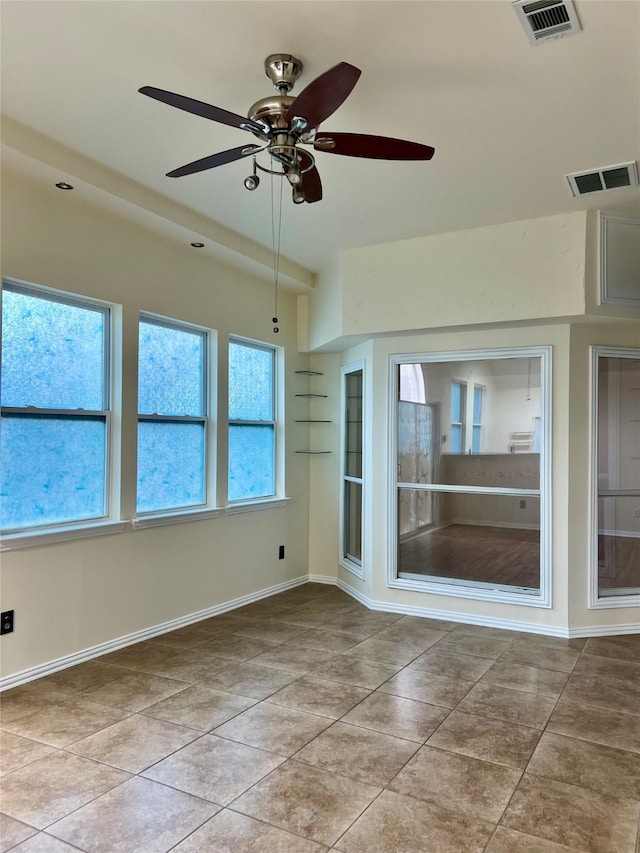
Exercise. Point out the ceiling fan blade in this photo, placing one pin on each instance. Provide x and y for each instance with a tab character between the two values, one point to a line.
214	160
323	96
311	185
199	108
374	147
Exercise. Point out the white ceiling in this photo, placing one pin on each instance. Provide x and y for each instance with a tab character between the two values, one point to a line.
508	120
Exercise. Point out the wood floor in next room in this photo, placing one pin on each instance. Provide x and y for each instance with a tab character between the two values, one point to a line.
306	723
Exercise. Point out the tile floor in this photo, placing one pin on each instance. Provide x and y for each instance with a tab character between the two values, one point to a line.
306	723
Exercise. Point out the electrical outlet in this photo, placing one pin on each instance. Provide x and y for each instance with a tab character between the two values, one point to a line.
6	622
636	512
523	504
281	552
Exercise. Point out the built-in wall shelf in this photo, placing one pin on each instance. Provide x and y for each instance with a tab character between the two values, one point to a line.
312	396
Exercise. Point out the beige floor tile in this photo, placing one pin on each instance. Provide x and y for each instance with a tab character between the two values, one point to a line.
609	728
135	691
134	743
248	679
235	648
362	754
383	650
182	640
453	665
215	769
230	832
199	708
427	687
622	648
137	817
136	656
307	616
576	643
485	632
475	788
629	670
325	641
16	751
490	740
509	841
419	637
512	706
317	696
191	667
533	654
12	832
84	676
62	724
422	622
278	632
473	644
27	699
356	671
265	609
530	679
274	728
51	787
363	624
44	843
573	816
293	659
604	691
398	824
588	765
307	801
394	715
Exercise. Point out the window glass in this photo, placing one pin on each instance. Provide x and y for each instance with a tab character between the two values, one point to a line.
251	461
170	465
250	382
170	370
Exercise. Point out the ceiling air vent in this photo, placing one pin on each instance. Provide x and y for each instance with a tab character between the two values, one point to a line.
547	19
600	180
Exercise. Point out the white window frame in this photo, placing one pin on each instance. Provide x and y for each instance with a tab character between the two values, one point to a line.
477	425
597	602
277	385
206	509
461	383
352	565
466	589
110	522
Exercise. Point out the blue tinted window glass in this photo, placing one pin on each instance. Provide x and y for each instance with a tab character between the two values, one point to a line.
52	353
477	405
456	439
456	402
250	383
170	370
53	470
475	439
170	465
251	462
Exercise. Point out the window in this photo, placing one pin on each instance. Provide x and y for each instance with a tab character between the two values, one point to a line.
476	434
476	524
173	416
252	420
458	416
55	444
616	478
352	470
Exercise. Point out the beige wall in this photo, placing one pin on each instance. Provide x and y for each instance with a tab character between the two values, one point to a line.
70	596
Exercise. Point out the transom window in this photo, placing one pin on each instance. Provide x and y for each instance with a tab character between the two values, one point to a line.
173	419
56	409
252	420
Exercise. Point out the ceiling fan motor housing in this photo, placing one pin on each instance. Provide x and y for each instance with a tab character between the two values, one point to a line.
283	70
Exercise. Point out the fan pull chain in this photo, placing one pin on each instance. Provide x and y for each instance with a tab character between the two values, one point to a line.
276	251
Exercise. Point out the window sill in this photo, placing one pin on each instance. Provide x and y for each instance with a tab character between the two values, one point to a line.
33	539
252	506
161	519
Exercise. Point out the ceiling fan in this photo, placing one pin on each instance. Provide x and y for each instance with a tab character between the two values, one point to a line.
285	123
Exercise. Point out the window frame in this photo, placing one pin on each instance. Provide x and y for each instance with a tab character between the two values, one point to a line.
277	402
477	424
347	561
461	424
151	518
464	589
110	415
595	600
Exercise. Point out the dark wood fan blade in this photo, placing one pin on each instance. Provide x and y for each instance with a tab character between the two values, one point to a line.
311	185
323	96
199	108
373	147
214	160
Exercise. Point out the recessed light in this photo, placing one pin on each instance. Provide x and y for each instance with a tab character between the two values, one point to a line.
198	245
62	185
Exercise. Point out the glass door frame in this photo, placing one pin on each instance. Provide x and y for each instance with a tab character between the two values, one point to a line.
345	559
461	588
597	601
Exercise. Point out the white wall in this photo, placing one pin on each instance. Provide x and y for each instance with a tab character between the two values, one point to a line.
71	596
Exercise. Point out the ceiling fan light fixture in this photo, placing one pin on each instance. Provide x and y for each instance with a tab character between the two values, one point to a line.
294	176
297	196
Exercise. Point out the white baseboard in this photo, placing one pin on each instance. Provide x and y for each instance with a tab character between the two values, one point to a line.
321	579
147	633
